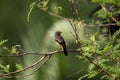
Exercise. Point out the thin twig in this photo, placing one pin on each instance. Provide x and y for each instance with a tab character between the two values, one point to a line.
100	25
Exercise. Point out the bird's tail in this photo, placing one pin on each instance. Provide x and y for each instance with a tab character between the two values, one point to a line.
65	50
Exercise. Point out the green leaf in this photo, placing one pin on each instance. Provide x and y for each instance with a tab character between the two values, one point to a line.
118	22
1	66
5	68
57	9
105	1
89	75
6	49
116	47
43	4
3	42
101	13
14	49
92	74
91	67
107	48
18	66
86	48
79	57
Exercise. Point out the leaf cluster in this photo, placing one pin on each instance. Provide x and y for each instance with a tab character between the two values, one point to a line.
103	56
8	51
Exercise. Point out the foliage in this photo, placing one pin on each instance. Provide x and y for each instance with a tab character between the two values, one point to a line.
3	42
9	51
103	54
4	68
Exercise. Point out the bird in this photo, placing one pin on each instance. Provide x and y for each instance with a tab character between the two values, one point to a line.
60	40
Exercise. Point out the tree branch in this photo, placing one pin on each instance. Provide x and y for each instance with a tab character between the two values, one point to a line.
37	53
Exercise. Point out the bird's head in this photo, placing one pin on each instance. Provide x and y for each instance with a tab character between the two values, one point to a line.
58	32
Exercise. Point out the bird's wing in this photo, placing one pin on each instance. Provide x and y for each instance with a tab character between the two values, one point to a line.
59	39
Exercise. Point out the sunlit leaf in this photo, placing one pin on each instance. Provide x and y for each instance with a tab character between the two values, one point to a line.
18	66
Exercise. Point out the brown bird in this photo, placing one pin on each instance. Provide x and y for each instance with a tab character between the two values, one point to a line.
59	39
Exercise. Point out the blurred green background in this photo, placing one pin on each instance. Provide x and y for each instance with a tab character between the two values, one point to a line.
38	36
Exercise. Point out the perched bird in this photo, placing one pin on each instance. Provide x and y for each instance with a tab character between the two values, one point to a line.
59	39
